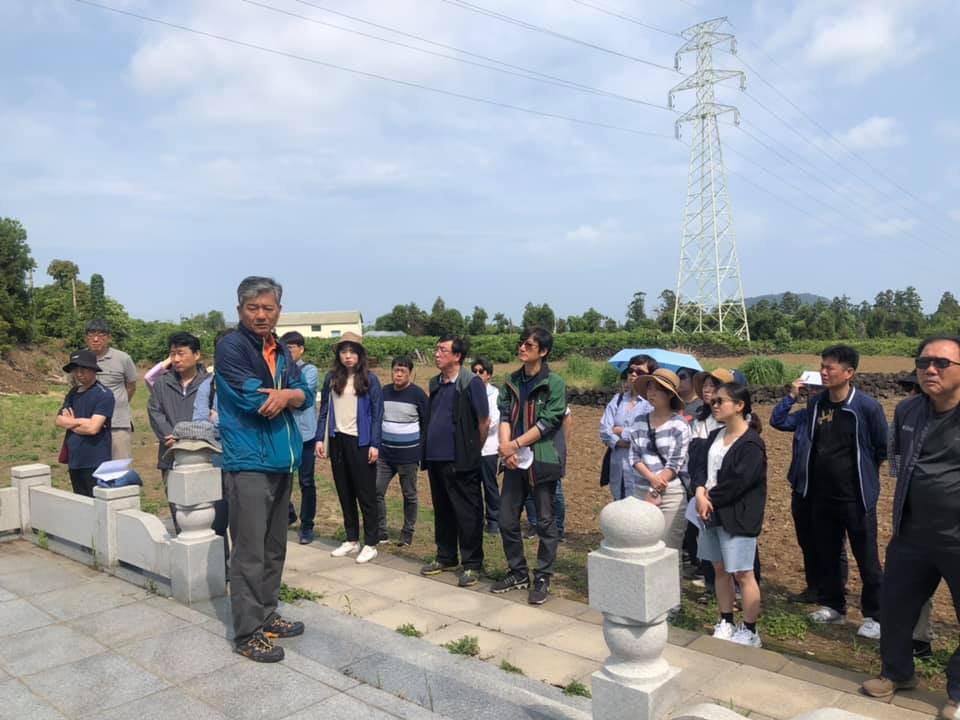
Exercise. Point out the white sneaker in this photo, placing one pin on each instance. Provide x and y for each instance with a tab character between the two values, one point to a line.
743	636
346	548
368	553
827	616
724	630
869	629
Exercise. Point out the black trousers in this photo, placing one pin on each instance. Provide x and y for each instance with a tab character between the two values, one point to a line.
356	482
458	514
491	491
802	509
912	575
308	485
831	522
258	528
516	486
83	481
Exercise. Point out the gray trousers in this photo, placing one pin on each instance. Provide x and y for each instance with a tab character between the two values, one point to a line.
258	531
408	486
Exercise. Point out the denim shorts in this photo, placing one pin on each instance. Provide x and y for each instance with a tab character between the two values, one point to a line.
735	551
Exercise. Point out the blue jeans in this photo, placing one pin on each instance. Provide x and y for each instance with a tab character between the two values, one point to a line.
308	489
559	508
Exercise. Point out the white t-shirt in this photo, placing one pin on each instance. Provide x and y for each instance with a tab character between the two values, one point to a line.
715	458
492	443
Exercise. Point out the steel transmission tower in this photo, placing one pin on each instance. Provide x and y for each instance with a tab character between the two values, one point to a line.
709	290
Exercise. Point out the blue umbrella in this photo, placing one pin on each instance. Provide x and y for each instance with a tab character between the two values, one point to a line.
665	358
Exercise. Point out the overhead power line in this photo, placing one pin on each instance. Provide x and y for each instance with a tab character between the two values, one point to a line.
472	7
371	75
623	16
518	71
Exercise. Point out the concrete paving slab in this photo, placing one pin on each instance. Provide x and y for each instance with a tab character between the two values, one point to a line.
45	647
70	690
397	705
342	707
396	562
319	584
578	638
166	704
681	637
278	691
697	669
591	616
311	559
361	576
19	616
127	623
6	596
46	578
181	654
836	678
755	657
330	649
19	703
356	602
563	606
457	602
766	692
548	665
491	643
871	708
315	671
405	587
172	607
524	621
95	596
402	613
921	701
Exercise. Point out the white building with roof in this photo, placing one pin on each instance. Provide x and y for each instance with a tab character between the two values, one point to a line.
321	324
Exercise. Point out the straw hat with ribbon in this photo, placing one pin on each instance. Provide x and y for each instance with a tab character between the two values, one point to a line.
720	376
667	379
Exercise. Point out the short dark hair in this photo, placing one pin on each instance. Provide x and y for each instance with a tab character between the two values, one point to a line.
639	360
97	325
402	361
458	345
843	354
685	372
293	338
938	338
184	339
484	363
543	337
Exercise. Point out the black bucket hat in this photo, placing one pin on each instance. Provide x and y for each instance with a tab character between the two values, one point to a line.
82	359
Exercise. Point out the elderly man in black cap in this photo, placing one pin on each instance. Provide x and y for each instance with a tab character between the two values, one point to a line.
118	374
85	415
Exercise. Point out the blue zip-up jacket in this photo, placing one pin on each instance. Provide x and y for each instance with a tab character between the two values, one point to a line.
369	413
871	440
910	424
252	442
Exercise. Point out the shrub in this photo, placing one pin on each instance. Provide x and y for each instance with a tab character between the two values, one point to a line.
764	371
609	376
579	367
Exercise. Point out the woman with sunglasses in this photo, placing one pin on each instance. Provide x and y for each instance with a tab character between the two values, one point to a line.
659	441
729	474
619	415
705	385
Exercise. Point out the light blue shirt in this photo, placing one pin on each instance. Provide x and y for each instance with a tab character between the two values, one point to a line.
307	418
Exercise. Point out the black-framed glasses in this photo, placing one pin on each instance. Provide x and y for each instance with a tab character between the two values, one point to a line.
940	363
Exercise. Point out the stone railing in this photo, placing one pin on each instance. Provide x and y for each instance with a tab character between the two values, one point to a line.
110	531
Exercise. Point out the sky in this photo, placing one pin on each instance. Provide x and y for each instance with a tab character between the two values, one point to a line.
175	164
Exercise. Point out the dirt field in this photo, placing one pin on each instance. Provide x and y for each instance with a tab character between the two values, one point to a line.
868	363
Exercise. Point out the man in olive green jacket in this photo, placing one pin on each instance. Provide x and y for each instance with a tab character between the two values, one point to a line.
532	404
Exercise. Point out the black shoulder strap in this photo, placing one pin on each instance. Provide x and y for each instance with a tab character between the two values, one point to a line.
652	436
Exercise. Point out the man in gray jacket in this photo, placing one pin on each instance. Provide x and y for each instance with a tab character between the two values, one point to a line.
171	400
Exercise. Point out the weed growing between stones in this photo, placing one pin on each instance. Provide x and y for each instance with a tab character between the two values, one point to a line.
340	535
42	540
933	666
291	595
509	667
467	645
577	688
409	630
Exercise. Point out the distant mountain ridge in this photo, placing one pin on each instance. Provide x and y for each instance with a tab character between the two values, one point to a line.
805	299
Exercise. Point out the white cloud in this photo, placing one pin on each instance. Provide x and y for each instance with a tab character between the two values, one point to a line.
892	227
872	133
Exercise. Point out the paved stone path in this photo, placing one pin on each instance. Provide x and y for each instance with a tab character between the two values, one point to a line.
77	643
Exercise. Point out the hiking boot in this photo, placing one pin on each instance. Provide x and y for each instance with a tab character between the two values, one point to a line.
746	636
949	710
513	581
881	687
540	592
259	649
870	629
405	540
922	650
280	628
468	578
306	536
724	630
368	553
827	616
435	568
345	548
807	597
530	533
291	516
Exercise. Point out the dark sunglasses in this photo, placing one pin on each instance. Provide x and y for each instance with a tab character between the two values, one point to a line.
940	363
636	371
479	371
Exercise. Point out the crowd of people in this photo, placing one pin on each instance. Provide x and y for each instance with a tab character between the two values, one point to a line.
687	442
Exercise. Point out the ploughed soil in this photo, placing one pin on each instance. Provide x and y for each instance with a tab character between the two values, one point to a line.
29	371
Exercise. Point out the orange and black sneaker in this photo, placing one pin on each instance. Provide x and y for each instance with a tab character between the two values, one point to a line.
280	628
259	649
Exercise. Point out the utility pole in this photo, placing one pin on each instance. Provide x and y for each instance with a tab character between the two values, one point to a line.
709	289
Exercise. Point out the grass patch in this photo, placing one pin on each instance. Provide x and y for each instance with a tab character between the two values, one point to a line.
408	630
509	667
933	666
580	367
467	645
577	689
769	371
290	595
782	625
340	535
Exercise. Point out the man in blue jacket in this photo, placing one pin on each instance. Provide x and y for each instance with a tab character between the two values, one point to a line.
840	452
925	548
258	387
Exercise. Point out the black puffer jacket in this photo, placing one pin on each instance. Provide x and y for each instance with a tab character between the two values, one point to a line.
740	495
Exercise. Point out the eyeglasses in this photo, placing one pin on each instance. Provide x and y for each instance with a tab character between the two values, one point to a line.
636	371
479	371
529	345
101	334
442	351
940	363
717	402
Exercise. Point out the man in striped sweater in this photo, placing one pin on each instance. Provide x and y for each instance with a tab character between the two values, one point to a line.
404	418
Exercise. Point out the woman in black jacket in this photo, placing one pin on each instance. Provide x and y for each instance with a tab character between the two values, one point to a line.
729	475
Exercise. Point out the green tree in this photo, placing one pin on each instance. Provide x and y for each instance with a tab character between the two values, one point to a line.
98	298
15	301
668	302
590	322
539	316
502	324
477	322
405	318
444	320
636	311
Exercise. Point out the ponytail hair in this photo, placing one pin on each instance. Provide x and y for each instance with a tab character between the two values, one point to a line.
740	394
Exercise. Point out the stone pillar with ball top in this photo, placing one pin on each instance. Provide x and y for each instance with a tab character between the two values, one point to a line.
633	581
